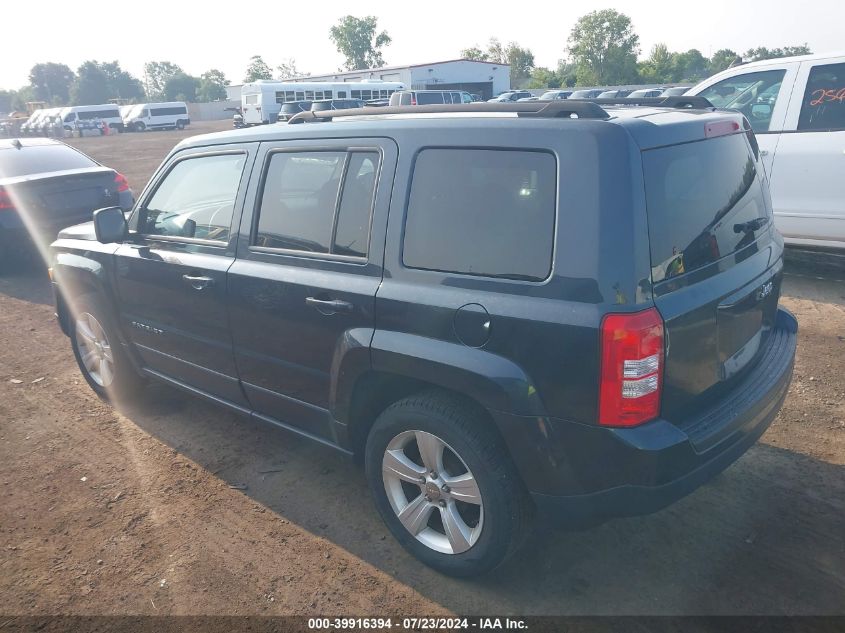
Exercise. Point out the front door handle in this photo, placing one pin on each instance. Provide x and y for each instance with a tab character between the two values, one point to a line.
764	152
198	282
329	306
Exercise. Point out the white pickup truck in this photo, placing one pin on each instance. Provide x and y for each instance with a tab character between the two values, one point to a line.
796	106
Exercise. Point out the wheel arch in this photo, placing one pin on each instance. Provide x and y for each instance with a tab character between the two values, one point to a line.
75	275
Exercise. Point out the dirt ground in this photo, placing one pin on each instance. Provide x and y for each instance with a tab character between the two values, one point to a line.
173	506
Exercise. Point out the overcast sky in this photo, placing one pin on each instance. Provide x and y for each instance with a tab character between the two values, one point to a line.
214	34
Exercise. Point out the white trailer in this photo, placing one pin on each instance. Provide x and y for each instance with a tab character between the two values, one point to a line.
261	100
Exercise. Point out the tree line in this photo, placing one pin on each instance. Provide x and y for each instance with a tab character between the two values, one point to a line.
602	50
99	82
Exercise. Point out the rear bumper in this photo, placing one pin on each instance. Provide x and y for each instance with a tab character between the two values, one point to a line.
591	474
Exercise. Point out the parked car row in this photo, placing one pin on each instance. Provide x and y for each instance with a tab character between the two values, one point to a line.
591	93
66	121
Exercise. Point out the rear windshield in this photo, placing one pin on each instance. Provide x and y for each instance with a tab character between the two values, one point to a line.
40	158
704	202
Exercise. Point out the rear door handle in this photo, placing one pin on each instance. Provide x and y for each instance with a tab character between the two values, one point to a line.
198	282
328	306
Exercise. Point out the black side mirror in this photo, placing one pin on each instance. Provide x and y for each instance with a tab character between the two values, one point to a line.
110	225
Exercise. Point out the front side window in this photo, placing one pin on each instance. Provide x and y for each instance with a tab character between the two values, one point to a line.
823	107
753	94
303	209
482	212
196	199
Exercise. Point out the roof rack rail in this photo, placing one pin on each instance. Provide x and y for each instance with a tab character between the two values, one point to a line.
698	103
552	109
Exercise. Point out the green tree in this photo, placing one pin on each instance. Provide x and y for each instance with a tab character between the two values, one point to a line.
689	66
181	87
542	77
521	61
567	72
212	86
359	43
496	52
474	53
156	75
723	59
756	54
21	97
51	82
659	66
604	47
288	70
91	86
257	69
121	84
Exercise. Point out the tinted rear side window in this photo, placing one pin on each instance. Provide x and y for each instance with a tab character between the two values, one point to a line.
41	158
823	107
300	197
704	202
299	200
482	212
427	98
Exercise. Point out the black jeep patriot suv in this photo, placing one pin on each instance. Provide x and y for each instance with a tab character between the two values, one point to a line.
560	307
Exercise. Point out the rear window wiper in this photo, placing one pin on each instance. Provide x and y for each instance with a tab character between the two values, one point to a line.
752	225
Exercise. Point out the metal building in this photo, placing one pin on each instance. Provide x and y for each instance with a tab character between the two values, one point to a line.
487	79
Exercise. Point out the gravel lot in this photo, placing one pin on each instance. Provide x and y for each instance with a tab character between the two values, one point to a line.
106	511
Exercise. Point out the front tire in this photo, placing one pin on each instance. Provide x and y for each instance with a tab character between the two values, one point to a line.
180	125
140	127
445	485
99	353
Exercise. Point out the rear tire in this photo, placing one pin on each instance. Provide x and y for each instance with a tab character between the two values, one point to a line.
99	353
180	125
472	511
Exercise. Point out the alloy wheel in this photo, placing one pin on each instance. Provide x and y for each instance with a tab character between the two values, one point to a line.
94	349
432	492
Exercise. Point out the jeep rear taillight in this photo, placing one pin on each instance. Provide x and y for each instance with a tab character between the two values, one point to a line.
631	368
6	203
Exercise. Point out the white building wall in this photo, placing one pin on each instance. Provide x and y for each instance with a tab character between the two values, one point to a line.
430	75
462	72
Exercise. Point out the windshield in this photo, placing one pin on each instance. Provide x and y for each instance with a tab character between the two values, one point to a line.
582	94
135	111
318	106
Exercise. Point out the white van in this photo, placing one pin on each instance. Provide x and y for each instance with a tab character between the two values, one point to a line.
157	116
796	107
108	113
